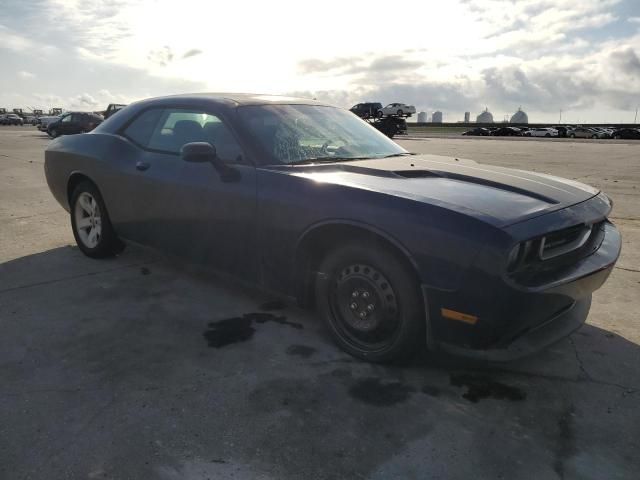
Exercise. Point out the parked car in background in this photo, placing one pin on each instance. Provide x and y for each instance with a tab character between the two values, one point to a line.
583	132
74	122
112	109
44	122
507	132
477	132
600	132
541	132
627	133
367	109
11	119
397	251
562	130
399	109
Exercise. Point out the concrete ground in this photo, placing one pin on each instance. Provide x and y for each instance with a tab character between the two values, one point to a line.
113	369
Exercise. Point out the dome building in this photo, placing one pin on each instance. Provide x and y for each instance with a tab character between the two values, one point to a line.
485	117
519	117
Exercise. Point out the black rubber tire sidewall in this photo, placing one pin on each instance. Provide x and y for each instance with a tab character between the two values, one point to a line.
411	334
109	244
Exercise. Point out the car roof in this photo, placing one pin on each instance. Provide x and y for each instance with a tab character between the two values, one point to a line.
237	99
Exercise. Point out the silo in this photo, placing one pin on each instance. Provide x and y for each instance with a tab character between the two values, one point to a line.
520	117
485	117
422	117
467	117
436	117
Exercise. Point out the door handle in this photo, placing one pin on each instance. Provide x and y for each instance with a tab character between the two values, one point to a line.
142	166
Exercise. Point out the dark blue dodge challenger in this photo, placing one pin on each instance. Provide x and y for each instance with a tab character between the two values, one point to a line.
395	250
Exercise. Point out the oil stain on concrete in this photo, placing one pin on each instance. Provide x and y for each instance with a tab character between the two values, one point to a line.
240	329
480	387
303	351
374	392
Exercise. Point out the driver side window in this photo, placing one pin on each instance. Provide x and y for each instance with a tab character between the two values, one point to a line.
167	130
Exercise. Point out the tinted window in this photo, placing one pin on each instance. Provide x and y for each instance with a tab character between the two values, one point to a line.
177	127
140	130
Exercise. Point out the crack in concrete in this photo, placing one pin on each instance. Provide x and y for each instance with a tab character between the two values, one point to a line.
558	378
628	269
583	370
73	277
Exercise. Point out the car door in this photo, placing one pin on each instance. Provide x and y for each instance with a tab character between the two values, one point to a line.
65	125
187	209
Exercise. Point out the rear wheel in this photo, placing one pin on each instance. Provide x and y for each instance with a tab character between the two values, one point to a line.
573	135
90	223
400	113
371	304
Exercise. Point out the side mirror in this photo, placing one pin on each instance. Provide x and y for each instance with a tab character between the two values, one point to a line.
201	152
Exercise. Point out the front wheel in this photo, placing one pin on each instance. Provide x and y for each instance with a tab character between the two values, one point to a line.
53	133
400	113
573	135
90	223
371	303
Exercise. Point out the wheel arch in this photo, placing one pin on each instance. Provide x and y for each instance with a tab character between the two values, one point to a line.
74	180
320	239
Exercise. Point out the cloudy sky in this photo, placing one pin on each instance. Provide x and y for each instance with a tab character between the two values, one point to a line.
460	55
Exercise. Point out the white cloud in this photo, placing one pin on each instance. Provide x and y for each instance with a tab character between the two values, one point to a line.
25	74
455	55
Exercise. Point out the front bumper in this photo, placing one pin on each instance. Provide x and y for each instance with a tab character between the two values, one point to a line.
514	320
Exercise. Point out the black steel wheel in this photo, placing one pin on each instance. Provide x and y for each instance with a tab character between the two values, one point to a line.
371	303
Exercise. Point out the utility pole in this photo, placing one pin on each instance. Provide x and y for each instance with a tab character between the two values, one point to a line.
636	117
560	120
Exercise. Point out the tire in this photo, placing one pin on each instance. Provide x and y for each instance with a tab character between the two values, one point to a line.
88	209
547	135
617	137
573	135
400	113
53	133
379	113
361	280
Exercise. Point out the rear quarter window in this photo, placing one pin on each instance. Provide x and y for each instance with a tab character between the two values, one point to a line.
140	130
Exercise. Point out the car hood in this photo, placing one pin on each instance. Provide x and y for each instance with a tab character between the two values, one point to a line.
500	196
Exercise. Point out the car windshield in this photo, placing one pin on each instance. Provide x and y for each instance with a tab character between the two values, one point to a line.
307	133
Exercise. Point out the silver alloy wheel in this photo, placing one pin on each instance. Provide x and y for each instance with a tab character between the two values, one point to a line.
88	220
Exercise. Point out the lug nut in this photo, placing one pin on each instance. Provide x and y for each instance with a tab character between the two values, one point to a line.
355	294
353	306
366	295
362	314
370	307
